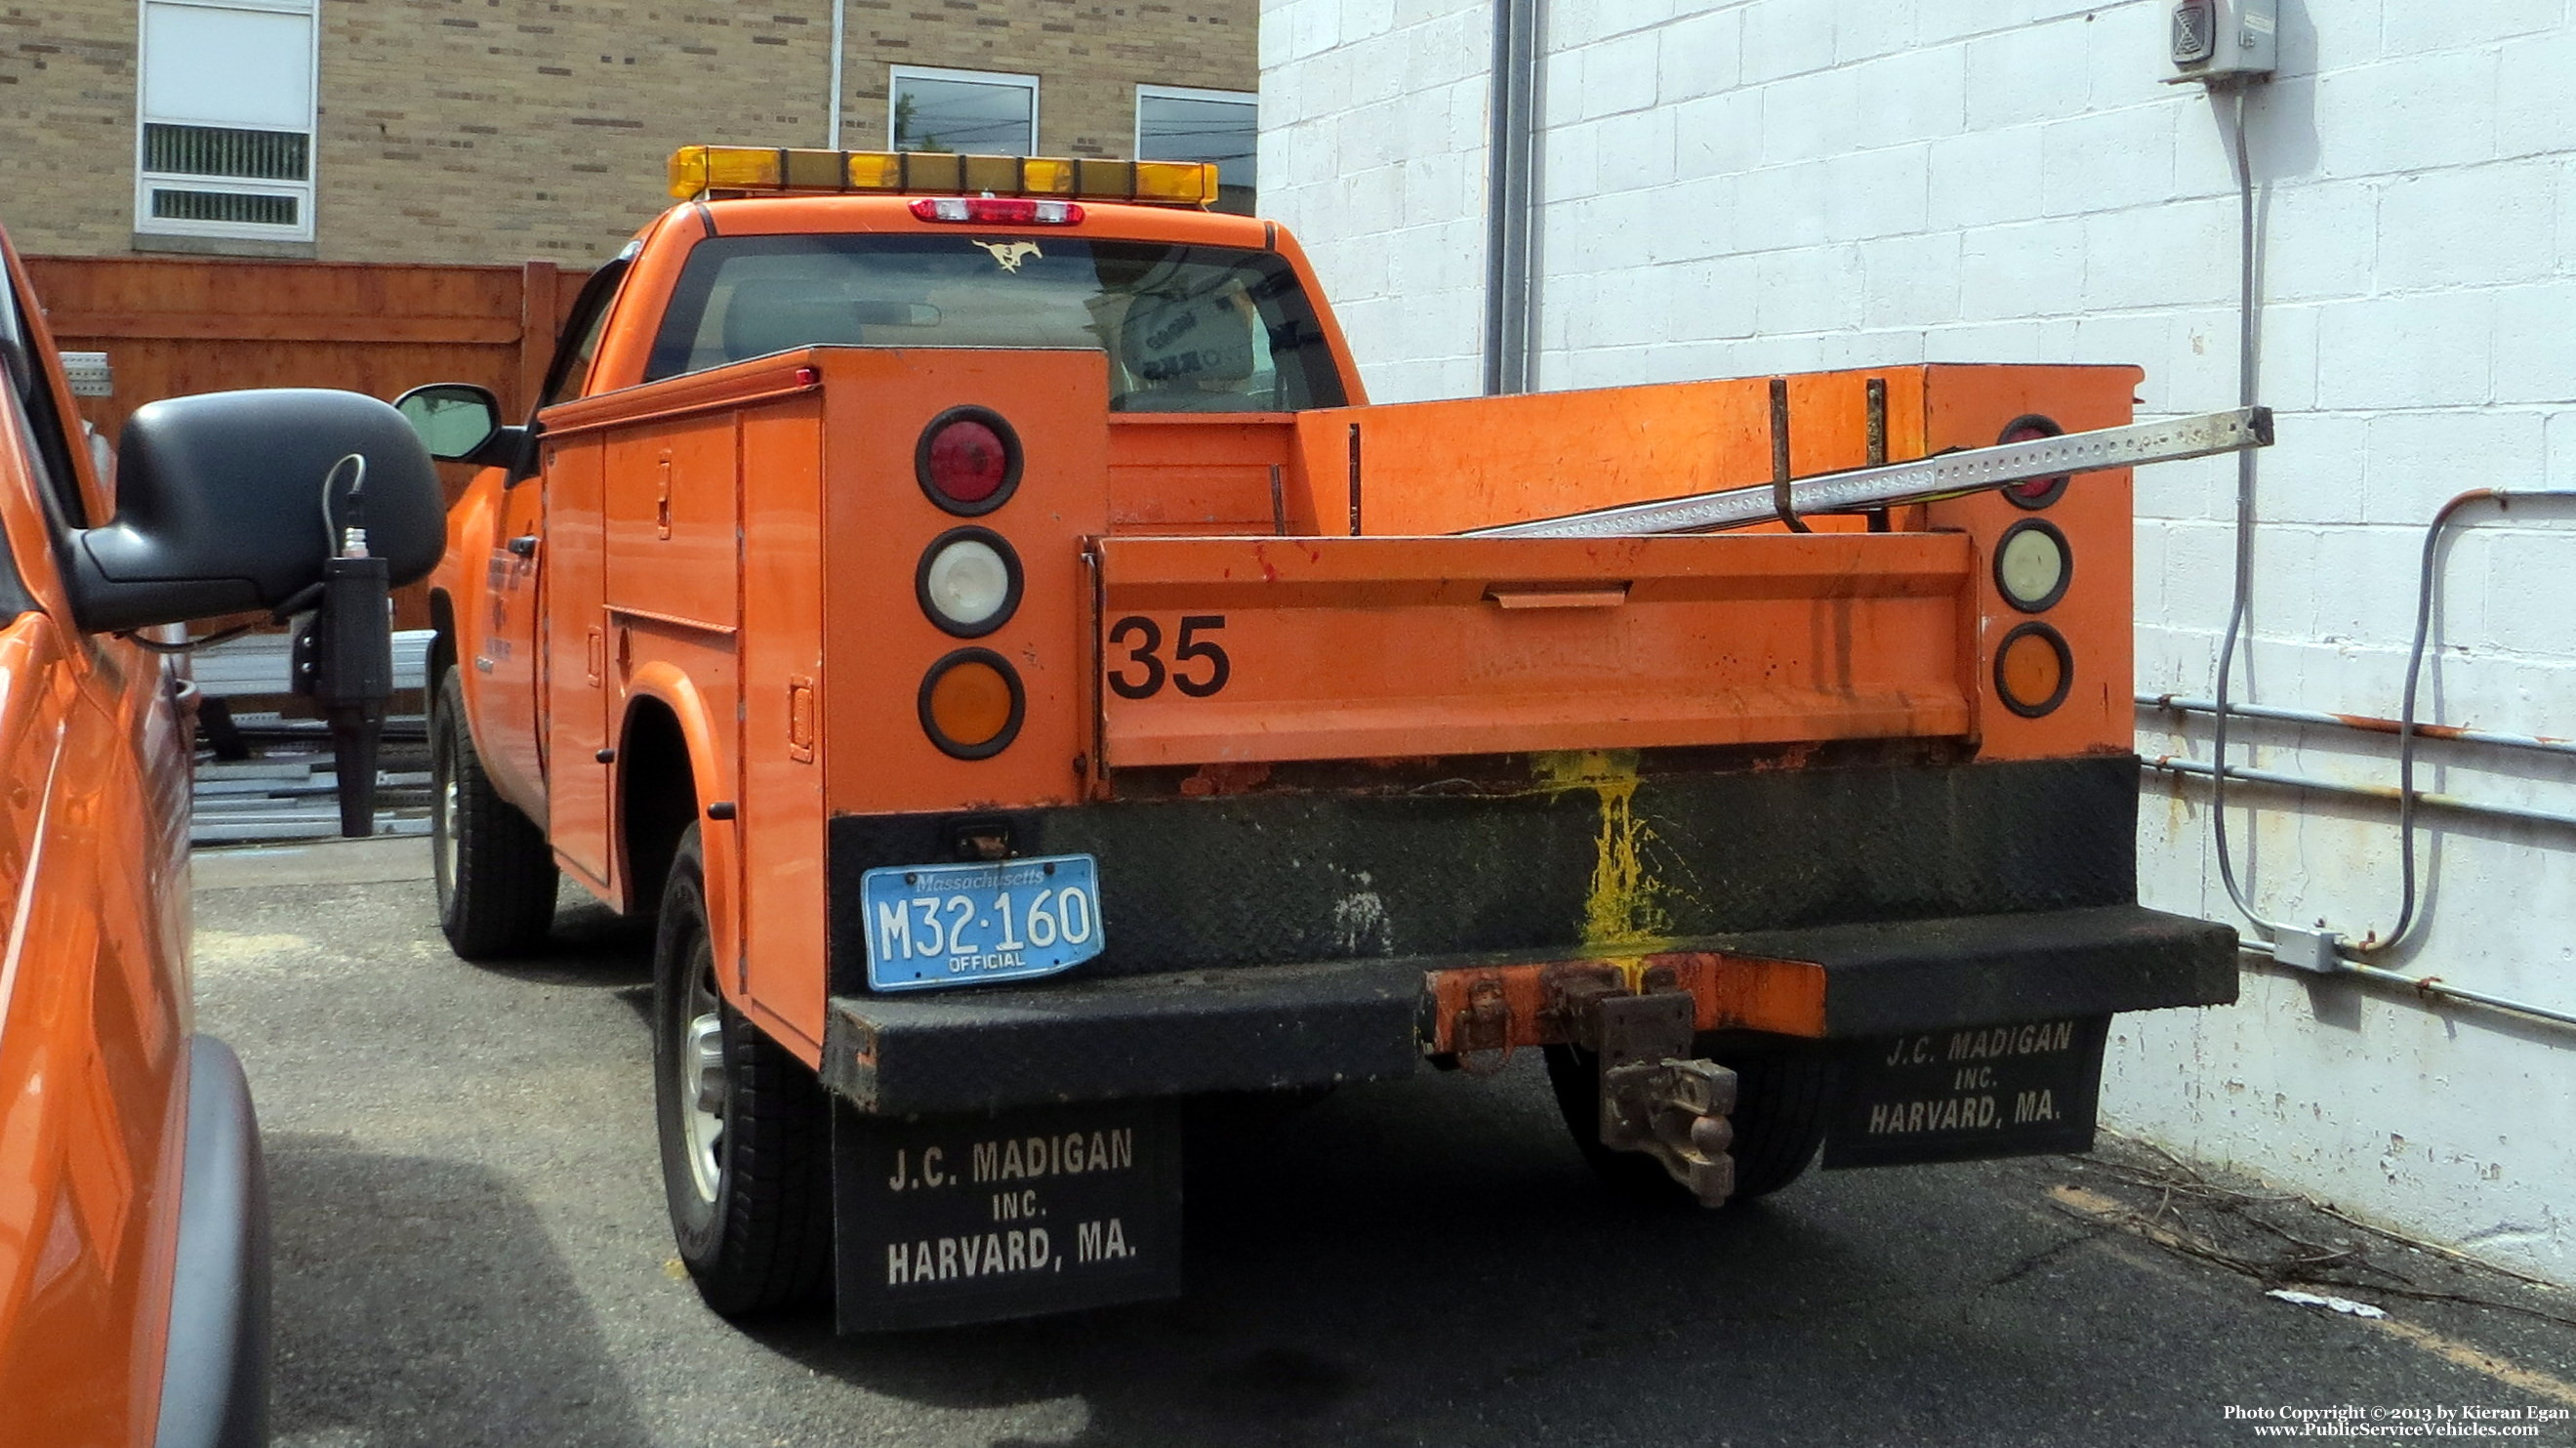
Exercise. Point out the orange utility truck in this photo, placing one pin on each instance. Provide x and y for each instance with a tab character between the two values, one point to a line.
970	602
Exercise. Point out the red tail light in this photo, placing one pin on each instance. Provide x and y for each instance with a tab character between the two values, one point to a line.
998	211
968	460
2039	492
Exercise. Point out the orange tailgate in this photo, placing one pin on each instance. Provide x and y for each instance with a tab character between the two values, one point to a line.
1268	649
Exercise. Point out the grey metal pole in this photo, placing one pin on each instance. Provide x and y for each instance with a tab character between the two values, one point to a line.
1511	197
840	16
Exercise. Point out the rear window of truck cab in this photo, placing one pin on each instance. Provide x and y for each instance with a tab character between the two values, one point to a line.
1186	328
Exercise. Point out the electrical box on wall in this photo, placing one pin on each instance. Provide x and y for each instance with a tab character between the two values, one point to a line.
2221	40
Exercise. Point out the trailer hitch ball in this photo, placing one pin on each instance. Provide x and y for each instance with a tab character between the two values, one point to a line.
1675	1111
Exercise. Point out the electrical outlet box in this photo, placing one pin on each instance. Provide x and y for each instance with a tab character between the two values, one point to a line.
2221	41
2318	951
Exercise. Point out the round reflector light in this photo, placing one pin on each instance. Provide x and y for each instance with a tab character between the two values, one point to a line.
971	704
968	581
2033	566
2039	492
968	460
2033	670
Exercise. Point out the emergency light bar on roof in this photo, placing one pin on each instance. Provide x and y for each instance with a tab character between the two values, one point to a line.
700	171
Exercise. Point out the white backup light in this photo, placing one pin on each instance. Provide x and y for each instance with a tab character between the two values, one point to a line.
968	584
2031	566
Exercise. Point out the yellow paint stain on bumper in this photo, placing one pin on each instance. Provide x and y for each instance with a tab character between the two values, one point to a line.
1622	913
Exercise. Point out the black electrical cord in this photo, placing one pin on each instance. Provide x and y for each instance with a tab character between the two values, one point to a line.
184	645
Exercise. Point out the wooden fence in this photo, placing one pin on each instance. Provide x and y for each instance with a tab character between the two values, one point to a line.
178	325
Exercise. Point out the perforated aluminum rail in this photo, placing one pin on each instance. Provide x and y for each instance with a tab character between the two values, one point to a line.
1924	480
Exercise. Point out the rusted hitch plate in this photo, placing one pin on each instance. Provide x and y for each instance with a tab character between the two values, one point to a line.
1504	1007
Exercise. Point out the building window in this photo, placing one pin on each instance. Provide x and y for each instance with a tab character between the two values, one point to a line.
1174	123
224	139
972	112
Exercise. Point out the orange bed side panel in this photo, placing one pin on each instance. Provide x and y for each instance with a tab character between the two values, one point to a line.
1443	467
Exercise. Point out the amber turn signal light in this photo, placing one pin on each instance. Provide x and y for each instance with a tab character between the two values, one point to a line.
972	704
2033	670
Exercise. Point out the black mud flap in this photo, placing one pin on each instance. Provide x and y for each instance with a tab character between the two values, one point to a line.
1962	1095
945	1220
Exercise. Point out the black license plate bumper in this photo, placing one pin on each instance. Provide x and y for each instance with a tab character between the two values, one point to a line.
1255	1028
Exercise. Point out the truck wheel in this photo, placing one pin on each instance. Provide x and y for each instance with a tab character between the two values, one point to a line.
745	1127
1782	1103
496	876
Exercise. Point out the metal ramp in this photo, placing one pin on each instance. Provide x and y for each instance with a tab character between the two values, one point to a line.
286	788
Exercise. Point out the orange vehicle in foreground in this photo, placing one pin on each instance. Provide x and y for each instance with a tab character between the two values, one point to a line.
133	1228
976	609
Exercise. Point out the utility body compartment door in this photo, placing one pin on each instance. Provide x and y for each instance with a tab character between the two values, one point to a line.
1257	650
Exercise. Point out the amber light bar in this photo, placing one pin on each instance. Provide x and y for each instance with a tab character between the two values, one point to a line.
699	171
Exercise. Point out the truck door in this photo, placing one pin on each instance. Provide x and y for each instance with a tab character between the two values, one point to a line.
508	661
576	659
571	606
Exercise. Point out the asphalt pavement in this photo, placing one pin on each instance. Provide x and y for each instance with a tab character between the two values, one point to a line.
471	1249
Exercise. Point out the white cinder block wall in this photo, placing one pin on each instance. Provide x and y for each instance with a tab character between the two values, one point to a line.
1764	185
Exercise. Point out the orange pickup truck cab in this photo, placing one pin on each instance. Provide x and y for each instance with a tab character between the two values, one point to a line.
133	1236
980	614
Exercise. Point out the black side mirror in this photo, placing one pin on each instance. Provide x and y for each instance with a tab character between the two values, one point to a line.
287	500
461	423
454	419
220	505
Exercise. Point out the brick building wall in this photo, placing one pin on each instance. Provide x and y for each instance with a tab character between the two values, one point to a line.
500	130
1737	187
67	105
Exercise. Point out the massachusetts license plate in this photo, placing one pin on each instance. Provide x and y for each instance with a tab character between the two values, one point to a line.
1961	1095
936	925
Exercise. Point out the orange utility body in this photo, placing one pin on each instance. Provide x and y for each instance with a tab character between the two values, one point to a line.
95	1016
1364	794
1399	643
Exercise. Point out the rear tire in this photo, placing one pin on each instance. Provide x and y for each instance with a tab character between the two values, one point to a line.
745	1127
496	876
1782	1104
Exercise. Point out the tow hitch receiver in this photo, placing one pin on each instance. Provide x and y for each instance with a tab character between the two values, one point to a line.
1658	1099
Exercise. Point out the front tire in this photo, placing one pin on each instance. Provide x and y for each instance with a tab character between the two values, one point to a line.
1783	1101
496	875
744	1126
